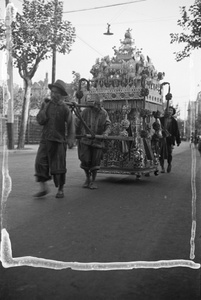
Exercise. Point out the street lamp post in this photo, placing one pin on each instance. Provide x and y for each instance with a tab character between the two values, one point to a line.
54	44
53	64
9	71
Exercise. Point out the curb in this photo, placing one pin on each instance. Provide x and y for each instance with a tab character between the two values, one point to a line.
27	149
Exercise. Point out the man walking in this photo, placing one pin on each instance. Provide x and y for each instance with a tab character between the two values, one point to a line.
58	131
171	135
90	149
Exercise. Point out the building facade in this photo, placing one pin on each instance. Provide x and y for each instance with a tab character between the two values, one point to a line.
194	116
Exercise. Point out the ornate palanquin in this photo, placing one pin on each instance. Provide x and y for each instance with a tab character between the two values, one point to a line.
130	89
129	148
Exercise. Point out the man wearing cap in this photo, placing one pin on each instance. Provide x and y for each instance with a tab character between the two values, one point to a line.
58	131
171	134
90	149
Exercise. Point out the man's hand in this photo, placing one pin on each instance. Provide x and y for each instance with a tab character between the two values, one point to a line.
70	143
74	103
45	105
105	134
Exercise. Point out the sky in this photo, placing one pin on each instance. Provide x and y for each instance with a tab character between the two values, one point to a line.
150	21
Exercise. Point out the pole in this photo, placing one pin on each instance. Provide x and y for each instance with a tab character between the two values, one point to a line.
185	119
54	46
10	114
53	64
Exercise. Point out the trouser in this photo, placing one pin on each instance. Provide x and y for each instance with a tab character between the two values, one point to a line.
51	161
165	152
90	157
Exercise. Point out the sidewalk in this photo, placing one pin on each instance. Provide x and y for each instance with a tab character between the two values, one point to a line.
33	148
182	147
27	148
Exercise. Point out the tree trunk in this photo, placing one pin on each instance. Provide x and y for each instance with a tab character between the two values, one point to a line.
25	114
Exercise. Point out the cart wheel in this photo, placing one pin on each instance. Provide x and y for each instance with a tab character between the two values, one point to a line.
156	173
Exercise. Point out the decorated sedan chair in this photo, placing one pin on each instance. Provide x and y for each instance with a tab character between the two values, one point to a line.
131	92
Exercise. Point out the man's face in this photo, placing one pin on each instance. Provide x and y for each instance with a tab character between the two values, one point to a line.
97	105
95	102
171	111
56	94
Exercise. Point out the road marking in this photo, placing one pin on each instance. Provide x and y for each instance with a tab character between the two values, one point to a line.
193	201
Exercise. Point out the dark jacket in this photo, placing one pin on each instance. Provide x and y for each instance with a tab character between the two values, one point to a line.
173	129
57	122
97	121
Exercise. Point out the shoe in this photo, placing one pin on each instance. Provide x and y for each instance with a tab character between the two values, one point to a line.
92	186
40	194
60	194
86	184
169	168
162	170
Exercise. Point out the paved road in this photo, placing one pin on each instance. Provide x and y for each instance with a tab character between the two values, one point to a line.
124	220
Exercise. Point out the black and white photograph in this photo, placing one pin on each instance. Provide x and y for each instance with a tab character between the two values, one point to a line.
100	150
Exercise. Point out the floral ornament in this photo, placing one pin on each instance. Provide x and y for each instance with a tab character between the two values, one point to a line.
144	92
168	96
138	158
156	126
125	123
126	109
144	113
123	133
156	114
144	134
115	128
156	159
79	95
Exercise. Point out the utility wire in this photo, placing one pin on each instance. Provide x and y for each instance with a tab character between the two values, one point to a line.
99	7
89	45
167	19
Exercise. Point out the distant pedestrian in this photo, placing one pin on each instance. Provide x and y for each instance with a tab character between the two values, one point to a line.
191	139
171	135
196	138
199	145
90	149
58	131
